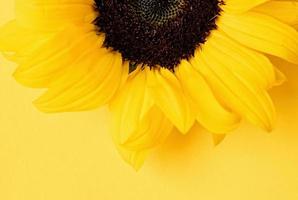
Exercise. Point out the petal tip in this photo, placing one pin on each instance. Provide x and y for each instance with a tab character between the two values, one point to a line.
218	138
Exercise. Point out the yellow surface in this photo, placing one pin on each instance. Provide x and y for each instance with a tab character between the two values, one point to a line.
71	156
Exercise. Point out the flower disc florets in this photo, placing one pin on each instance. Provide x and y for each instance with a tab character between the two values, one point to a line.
156	32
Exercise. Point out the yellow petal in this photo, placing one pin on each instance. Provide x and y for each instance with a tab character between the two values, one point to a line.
241	96
210	113
137	125
280	77
252	66
218	138
91	83
53	58
238	6
262	33
17	39
169	97
134	158
52	15
285	11
126	107
152	130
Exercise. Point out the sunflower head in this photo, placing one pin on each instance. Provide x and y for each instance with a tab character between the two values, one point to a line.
159	66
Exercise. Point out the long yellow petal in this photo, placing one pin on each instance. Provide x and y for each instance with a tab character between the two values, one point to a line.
242	97
52	15
250	65
210	113
15	39
127	106
137	125
262	33
90	84
169	97
153	129
239	6
53	58
285	11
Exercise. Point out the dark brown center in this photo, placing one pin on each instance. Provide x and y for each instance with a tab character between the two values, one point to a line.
156	32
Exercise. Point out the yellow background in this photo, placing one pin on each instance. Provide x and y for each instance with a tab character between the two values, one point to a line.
71	156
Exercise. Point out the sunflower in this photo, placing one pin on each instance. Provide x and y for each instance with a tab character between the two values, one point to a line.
157	65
